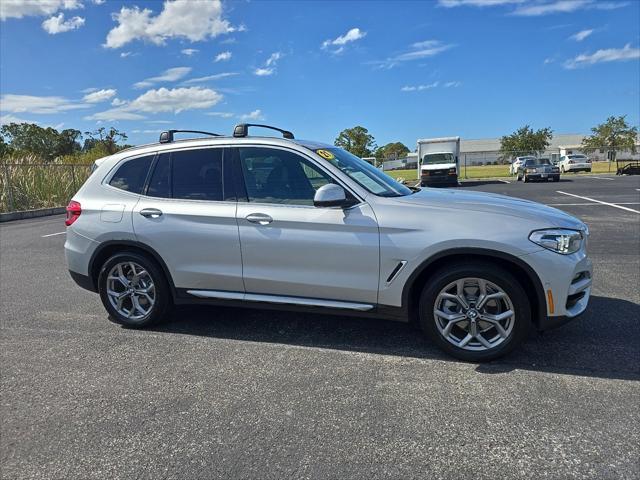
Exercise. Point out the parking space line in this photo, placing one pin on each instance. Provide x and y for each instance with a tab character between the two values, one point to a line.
599	201
505	181
602	178
587	203
53	234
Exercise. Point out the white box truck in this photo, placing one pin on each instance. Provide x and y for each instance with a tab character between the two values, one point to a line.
438	162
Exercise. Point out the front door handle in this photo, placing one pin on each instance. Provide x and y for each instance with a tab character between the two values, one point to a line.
151	212
261	218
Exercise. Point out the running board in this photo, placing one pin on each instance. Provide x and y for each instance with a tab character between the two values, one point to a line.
255	297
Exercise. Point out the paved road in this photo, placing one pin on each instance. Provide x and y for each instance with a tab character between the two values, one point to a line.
251	394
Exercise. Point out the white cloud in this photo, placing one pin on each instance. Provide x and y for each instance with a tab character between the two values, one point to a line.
565	6
222	57
269	67
169	75
173	100
255	115
273	59
100	95
351	36
263	72
189	51
602	56
31	8
417	51
194	21
6	119
209	78
159	122
125	54
98	2
57	24
455	84
34	104
220	114
116	102
419	87
581	35
549	60
475	3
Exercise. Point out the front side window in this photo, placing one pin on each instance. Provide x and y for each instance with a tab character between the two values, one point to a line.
365	174
279	176
132	174
189	175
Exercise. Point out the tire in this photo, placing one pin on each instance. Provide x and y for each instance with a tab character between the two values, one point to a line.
562	170
518	178
556	179
514	329
154	305
525	179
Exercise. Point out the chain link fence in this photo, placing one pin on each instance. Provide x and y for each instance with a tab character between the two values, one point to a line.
27	186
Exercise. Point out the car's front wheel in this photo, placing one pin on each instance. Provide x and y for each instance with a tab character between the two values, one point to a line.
134	290
475	311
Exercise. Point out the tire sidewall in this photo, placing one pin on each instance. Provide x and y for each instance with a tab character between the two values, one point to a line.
163	294
493	274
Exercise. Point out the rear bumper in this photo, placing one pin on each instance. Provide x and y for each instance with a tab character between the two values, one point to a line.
83	281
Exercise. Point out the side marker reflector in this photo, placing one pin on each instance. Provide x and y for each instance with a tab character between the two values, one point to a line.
550	301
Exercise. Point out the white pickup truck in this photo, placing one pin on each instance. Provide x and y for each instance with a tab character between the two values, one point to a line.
438	162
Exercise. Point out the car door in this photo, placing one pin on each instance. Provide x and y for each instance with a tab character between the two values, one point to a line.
188	216
291	248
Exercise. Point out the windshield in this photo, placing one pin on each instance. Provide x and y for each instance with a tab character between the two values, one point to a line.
435	158
365	174
577	156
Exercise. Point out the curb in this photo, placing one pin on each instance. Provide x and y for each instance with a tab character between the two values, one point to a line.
39	212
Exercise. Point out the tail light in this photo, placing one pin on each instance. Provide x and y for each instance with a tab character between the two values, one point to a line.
571	161
588	160
73	212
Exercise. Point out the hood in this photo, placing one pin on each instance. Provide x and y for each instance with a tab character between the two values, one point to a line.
492	203
437	166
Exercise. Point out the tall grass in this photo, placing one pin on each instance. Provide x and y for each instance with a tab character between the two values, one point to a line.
27	182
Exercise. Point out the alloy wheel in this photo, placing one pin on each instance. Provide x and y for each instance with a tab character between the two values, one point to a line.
474	314
131	290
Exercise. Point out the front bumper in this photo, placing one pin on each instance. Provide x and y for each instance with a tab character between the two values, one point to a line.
543	176
566	280
426	180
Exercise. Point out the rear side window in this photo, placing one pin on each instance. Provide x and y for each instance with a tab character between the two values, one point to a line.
188	174
132	174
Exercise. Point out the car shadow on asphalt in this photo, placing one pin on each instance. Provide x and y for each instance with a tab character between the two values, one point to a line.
604	342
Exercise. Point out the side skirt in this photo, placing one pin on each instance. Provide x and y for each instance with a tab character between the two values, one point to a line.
276	302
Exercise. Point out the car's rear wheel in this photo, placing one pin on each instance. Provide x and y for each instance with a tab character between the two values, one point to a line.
525	179
475	312
134	290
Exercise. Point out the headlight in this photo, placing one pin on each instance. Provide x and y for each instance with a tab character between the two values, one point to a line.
530	170
559	240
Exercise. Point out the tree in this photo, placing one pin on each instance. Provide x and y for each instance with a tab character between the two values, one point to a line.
356	140
613	135
392	150
525	141
107	138
47	143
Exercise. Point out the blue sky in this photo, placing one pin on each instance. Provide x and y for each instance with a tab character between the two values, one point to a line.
404	70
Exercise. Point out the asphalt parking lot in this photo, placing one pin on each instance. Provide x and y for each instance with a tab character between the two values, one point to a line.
252	394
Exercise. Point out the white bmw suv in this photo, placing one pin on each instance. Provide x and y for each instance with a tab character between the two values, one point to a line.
263	221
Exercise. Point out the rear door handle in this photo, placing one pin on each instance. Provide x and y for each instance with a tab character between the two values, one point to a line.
151	212
261	218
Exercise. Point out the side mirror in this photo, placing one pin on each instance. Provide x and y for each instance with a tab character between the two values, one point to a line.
330	195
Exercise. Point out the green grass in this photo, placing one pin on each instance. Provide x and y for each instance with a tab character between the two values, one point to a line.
492	171
26	183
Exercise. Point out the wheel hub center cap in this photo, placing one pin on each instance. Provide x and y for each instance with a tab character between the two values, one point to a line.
472	314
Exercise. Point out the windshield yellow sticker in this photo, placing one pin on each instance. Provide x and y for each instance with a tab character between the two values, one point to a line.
326	154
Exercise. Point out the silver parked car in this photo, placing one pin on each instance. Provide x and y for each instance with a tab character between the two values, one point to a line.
253	221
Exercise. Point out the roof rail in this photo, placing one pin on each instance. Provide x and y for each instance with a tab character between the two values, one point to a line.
167	137
242	130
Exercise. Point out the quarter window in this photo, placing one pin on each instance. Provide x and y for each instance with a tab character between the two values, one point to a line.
132	174
279	176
